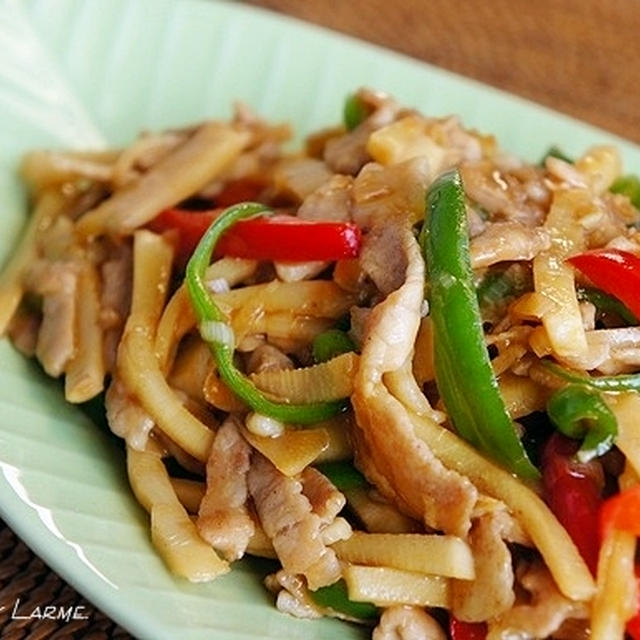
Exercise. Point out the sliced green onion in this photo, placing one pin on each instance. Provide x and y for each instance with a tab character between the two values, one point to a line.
215	331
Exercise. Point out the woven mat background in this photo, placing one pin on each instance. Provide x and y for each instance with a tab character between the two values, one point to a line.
24	577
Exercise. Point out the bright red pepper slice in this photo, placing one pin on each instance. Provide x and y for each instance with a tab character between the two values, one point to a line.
614	271
187	226
622	511
633	627
459	630
573	492
276	237
281	237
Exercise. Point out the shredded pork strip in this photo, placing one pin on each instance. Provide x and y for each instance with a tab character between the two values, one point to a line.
223	518
401	465
546	612
56	282
491	592
116	275
287	519
507	241
407	623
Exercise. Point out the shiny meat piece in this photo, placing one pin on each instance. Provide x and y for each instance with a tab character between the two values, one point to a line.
331	201
519	195
292	595
266	357
393	193
347	154
399	464
115	299
326	501
382	258
546	612
491	593
507	241
223	517
407	623
294	530
56	282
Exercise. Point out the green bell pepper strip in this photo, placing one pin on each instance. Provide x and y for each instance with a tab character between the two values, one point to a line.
611	384
628	185
209	314
465	379
556	152
331	343
355	112
342	474
580	412
335	597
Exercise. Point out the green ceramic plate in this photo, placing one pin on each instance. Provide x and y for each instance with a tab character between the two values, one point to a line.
89	72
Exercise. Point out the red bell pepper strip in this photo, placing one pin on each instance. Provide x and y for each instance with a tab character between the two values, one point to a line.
276	237
459	630
573	492
187	226
622	511
281	237
614	271
633	626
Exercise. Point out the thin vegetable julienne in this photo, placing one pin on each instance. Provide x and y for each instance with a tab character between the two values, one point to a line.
464	375
213	325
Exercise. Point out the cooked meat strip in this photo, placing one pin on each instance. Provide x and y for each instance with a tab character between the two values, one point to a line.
506	242
407	623
56	282
288	520
398	463
223	518
491	592
540	617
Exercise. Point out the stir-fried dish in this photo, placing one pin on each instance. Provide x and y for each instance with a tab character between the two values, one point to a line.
399	361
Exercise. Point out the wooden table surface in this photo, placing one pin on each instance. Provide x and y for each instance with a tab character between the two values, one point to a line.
581	57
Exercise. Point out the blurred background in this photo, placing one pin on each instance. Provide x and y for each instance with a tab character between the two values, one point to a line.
580	57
